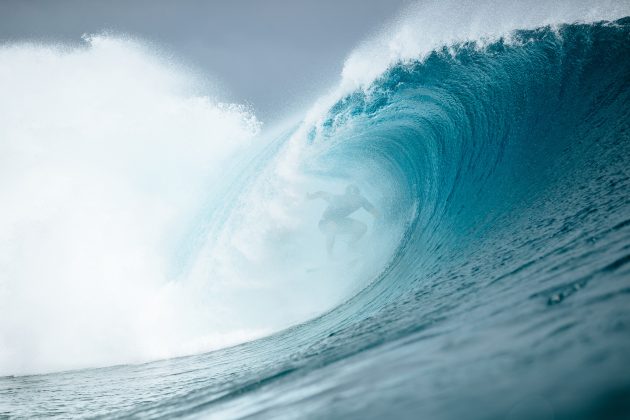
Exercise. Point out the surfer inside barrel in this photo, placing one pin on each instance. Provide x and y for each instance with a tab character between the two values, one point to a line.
335	220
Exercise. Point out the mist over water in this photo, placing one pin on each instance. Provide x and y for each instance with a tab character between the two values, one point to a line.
106	150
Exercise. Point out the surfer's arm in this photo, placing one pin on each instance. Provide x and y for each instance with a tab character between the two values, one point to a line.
319	194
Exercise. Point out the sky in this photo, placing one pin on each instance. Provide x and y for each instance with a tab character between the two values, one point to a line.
274	55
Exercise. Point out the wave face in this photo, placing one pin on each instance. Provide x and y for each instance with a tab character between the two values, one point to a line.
502	172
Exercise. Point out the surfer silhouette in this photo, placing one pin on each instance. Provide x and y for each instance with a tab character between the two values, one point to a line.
335	220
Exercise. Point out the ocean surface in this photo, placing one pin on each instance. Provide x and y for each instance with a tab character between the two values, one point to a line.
495	284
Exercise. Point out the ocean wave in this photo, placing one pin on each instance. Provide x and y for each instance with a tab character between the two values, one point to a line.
499	267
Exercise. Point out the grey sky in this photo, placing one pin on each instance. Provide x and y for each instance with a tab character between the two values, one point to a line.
274	54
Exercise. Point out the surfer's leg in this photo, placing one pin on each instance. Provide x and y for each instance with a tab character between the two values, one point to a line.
329	228
330	243
358	229
351	227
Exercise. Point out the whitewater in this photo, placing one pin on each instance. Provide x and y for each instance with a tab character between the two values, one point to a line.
159	259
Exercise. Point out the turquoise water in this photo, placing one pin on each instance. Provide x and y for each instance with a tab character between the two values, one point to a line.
505	168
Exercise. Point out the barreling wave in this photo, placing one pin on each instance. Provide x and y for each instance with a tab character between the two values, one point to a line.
468	140
502	169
